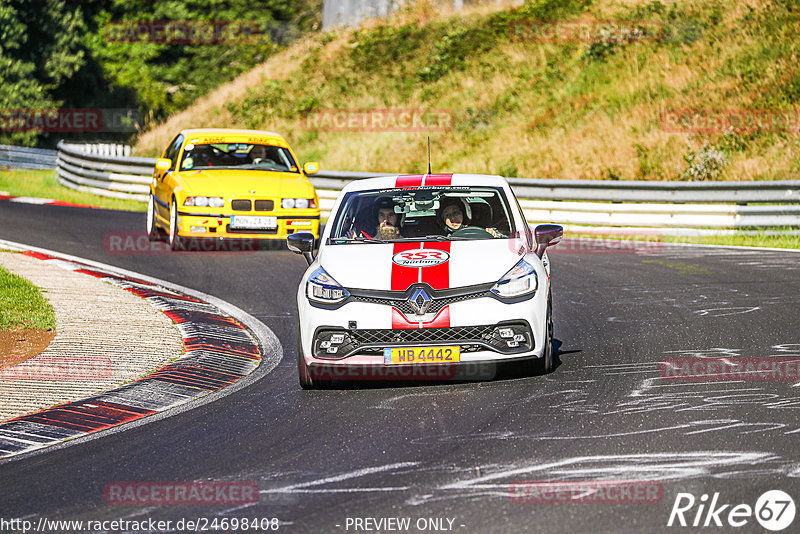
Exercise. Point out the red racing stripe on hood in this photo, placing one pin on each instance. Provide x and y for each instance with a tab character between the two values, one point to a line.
402	277
437	276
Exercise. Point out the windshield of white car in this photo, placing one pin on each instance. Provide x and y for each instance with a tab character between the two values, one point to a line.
426	213
238	156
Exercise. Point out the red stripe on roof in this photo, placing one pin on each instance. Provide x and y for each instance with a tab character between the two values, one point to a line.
409	180
438	179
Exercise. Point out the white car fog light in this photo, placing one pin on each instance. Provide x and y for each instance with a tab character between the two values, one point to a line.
506	332
519	337
512	344
332	350
337	338
197	229
324	344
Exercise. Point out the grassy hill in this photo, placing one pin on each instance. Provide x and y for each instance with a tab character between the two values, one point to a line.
608	101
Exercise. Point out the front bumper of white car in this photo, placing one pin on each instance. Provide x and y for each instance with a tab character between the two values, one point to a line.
358	332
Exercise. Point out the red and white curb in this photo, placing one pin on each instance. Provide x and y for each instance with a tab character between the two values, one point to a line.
221	349
43	201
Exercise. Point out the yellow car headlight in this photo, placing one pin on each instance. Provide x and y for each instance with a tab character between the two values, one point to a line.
297	203
203	202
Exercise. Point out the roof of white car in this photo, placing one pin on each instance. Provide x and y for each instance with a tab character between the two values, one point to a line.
415	180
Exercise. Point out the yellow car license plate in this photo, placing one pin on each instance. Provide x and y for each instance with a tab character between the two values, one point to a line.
254	222
415	355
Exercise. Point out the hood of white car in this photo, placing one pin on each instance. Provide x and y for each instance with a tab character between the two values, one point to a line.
441	264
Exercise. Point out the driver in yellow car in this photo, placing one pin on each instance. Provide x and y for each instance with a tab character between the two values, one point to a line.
258	154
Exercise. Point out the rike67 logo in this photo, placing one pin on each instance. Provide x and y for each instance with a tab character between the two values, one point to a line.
774	510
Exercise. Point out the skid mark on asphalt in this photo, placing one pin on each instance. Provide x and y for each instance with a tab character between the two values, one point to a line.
496	480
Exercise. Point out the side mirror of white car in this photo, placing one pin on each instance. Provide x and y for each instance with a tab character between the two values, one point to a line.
547	235
301	243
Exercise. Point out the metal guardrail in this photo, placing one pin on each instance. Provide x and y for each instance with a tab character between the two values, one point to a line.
93	168
671	206
27	158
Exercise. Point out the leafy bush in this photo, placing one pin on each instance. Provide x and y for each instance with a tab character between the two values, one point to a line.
703	163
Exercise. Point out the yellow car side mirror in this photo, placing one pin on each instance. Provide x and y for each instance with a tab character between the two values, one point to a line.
312	167
163	164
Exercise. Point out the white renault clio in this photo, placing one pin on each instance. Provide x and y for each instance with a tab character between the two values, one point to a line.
416	272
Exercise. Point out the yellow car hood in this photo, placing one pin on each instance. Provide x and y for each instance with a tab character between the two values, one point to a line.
242	183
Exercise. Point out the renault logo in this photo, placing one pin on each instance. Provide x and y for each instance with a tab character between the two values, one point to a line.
420	300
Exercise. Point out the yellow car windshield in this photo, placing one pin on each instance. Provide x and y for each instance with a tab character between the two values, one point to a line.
238	156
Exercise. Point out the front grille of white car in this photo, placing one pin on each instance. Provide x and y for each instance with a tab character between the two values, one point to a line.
404	305
469	338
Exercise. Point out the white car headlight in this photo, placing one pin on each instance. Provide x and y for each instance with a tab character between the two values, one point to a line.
321	287
301	203
521	280
287	203
202	202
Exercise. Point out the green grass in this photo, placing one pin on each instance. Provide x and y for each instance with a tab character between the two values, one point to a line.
22	304
44	184
539	108
742	240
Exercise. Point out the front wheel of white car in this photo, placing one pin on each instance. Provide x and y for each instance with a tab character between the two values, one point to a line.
545	364
548	363
303	372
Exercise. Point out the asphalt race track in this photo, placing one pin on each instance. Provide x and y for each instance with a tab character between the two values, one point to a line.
453	450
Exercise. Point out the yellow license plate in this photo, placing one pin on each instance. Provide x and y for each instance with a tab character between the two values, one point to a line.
417	355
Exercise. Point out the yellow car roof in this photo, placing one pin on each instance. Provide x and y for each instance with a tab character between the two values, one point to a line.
233	133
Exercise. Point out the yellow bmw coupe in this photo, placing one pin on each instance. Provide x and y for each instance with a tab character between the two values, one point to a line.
230	184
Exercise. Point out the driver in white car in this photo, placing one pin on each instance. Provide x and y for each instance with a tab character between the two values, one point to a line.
454	215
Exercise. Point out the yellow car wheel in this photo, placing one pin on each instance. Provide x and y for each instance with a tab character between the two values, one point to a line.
153	231
174	238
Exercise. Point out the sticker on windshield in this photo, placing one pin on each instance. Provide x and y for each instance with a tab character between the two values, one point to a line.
420	257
